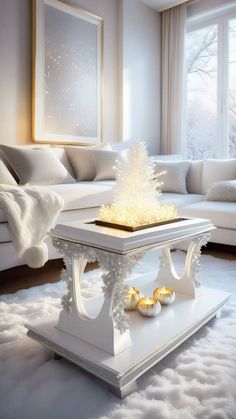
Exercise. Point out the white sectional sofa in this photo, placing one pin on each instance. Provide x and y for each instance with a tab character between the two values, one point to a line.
201	177
83	199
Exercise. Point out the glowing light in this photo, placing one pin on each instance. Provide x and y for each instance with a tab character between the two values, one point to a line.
138	188
164	295
136	215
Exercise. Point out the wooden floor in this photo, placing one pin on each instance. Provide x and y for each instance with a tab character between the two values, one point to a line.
23	277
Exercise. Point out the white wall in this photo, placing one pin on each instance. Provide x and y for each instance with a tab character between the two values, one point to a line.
131	40
141	73
15	72
15	68
108	10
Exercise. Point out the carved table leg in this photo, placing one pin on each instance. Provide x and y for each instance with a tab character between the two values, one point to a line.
188	283
110	329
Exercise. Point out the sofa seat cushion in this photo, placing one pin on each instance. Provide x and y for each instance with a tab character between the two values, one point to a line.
81	195
85	194
64	216
179	200
222	214
5	234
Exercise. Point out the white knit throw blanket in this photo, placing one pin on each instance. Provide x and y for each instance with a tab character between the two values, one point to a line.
31	211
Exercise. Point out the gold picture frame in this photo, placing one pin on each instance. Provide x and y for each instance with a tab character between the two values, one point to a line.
67	55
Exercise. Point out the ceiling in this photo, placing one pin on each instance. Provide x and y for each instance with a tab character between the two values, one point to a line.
161	5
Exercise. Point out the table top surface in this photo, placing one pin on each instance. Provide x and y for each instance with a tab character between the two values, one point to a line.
119	241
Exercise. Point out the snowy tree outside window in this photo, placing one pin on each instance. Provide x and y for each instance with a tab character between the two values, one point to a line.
211	96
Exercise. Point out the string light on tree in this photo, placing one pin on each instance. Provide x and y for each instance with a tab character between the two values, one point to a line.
137	192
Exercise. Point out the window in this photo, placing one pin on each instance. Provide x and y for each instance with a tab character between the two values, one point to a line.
211	88
232	88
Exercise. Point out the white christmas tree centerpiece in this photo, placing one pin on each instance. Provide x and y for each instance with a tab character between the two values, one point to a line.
136	196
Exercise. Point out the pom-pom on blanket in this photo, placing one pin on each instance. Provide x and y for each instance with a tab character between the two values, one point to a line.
31	211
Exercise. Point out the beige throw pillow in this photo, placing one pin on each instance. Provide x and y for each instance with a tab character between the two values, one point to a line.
82	161
5	176
37	166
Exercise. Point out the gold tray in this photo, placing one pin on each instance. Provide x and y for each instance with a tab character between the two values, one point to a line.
137	228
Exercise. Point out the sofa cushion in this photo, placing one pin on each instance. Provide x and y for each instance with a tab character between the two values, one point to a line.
222	191
174	180
6	177
216	170
64	216
37	166
5	234
85	194
123	145
180	200
26	146
222	214
105	162
166	157
82	161
194	177
77	195
60	153
81	195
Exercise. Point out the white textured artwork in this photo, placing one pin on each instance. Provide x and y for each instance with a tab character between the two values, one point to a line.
67	73
70	75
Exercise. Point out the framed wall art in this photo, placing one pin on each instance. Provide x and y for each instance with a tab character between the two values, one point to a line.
67	74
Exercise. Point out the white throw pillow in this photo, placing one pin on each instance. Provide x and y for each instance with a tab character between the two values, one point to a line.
215	170
174	180
222	191
82	161
37	166
105	162
5	176
25	146
61	155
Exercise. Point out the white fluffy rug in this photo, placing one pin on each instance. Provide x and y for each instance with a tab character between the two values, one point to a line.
197	381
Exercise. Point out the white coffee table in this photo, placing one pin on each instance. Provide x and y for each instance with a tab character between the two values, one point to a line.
98	334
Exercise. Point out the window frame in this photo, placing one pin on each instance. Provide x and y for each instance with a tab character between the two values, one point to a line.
221	19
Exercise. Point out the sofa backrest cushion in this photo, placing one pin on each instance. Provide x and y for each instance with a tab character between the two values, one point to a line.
123	145
36	166
167	157
217	170
174	180
5	176
194	177
82	162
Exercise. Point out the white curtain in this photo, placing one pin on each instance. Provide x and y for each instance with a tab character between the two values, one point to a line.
173	79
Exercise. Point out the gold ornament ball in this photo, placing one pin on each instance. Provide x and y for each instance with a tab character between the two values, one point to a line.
132	298
149	307
164	295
